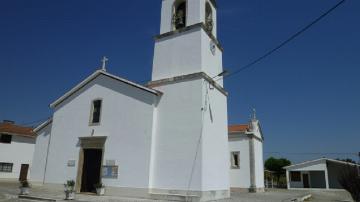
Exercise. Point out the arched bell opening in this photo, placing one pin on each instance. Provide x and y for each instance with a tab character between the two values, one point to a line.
179	14
209	18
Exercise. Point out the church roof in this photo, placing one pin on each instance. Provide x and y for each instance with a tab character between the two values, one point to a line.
43	125
13	129
95	75
238	128
245	129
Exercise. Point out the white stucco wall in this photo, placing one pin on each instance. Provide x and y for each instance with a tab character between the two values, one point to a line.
186	53
126	120
177	55
211	64
215	146
179	126
177	134
40	155
240	178
20	151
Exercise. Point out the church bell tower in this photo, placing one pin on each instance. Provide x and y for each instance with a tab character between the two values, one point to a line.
187	42
190	155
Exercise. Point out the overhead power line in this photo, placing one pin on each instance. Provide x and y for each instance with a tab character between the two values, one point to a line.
313	153
291	38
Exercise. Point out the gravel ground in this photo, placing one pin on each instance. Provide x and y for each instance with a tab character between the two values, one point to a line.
330	196
9	191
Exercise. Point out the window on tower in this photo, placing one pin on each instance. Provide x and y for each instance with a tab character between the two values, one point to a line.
209	22
95	112
179	17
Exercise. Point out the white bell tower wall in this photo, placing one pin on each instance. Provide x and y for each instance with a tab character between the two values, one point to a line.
190	155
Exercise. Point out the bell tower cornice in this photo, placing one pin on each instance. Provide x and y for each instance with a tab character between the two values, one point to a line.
187	29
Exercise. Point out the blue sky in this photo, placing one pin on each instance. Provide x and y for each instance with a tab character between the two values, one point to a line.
307	95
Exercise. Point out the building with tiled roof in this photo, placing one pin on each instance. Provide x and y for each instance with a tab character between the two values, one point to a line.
16	150
239	128
9	127
246	153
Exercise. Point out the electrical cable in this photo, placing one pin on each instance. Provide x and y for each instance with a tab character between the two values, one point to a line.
291	38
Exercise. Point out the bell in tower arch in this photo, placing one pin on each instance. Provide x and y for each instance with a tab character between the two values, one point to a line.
179	16
209	22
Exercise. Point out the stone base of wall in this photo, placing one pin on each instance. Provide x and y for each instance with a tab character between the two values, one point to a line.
191	196
9	179
127	192
247	190
158	194
257	190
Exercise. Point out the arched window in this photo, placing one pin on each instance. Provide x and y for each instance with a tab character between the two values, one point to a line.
179	17
209	22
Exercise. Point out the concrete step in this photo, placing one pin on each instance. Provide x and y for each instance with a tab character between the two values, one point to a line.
36	198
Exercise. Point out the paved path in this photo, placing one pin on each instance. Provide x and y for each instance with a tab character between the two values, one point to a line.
9	191
330	196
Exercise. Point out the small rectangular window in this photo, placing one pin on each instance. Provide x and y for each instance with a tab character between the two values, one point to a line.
5	139
295	176
6	167
96	111
235	160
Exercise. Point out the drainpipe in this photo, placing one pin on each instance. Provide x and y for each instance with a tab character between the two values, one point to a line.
47	157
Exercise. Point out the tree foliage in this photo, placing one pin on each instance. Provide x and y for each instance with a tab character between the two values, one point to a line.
277	165
347	160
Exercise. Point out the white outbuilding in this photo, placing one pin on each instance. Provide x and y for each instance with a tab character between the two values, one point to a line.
16	151
246	154
322	173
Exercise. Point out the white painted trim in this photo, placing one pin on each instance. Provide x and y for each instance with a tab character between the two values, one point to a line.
42	125
92	77
327	178
288	179
320	161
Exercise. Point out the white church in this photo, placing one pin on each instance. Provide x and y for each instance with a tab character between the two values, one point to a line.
167	139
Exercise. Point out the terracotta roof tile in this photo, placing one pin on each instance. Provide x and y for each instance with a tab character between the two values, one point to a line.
238	128
12	129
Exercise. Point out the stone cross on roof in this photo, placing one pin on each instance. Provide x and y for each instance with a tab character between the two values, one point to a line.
253	115
104	60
